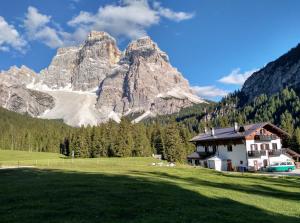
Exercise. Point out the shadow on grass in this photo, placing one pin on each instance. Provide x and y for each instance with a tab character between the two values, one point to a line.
257	189
32	195
290	181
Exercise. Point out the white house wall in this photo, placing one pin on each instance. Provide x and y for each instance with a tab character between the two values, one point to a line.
237	155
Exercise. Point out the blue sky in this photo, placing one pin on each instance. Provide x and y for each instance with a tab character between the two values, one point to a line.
216	44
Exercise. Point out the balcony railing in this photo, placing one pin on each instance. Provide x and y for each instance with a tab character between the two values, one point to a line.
206	154
260	153
264	137
277	152
257	153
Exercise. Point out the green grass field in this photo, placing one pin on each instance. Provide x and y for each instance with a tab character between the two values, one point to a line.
131	190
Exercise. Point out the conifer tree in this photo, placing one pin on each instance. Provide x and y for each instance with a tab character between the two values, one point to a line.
174	150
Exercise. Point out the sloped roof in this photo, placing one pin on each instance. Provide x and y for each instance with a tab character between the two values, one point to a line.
194	155
229	133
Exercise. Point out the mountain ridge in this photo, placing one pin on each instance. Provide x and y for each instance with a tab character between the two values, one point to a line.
107	82
284	72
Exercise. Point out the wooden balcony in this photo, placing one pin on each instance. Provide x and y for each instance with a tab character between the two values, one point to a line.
258	153
264	137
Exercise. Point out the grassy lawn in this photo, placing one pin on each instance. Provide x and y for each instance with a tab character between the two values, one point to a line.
13	156
130	190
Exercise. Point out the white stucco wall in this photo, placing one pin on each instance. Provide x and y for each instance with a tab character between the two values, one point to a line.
238	154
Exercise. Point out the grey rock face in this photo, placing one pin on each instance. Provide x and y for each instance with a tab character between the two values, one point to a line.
281	73
84	67
22	75
60	72
139	80
144	80
16	97
95	60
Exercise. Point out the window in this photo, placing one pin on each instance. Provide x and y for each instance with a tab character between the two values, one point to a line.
229	148
206	149
267	146
289	163
262	131
262	146
254	147
241	162
274	146
283	164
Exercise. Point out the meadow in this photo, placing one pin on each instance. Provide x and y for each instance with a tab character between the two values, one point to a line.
107	190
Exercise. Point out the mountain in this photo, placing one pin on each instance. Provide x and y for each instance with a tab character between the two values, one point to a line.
275	76
95	81
15	96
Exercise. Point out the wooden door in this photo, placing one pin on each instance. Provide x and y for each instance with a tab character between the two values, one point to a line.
229	165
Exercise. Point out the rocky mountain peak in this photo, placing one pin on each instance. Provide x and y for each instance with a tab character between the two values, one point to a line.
20	75
83	67
145	48
98	36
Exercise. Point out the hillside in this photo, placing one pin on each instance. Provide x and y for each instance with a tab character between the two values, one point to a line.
22	132
282	73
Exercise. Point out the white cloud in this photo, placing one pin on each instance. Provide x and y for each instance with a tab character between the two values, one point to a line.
124	19
169	14
209	91
10	37
236	77
38	27
128	19
35	20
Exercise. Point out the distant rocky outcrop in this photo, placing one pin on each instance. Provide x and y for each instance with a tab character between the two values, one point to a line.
138	80
275	76
15	96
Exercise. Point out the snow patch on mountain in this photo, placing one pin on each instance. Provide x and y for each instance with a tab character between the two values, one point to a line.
75	108
180	94
143	116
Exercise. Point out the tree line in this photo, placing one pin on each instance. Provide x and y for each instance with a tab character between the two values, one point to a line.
111	139
166	135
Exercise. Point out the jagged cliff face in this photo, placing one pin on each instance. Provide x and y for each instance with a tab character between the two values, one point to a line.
82	68
95	60
144	81
95	81
15	96
281	73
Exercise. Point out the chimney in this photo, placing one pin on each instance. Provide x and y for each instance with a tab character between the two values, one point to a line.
212	131
236	127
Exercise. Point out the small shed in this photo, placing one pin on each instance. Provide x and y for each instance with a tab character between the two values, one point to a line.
214	162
